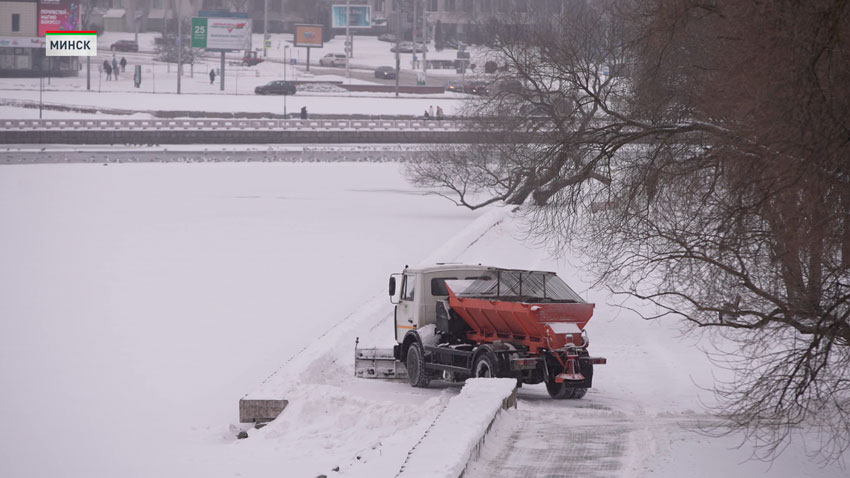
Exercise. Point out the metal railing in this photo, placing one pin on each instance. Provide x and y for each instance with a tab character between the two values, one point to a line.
230	124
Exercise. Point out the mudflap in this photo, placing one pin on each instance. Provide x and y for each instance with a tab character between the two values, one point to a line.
373	362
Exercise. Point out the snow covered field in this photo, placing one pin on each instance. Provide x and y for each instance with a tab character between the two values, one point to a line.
139	302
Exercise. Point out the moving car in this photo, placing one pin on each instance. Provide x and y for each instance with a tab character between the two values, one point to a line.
454	86
407	47
278	87
387	37
333	59
471	87
386	72
125	45
476	88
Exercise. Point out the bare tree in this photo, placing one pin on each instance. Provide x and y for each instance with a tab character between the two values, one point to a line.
707	172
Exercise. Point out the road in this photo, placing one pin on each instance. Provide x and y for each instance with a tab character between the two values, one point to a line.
44	154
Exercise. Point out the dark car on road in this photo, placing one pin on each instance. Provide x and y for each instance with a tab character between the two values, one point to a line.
386	72
407	47
472	87
125	45
276	88
476	88
454	86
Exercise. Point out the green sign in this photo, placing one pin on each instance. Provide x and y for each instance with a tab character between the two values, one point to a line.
199	32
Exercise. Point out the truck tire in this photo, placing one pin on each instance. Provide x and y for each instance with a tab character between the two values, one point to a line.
416	372
485	366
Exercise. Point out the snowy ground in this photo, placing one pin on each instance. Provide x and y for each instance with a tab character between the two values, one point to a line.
139	302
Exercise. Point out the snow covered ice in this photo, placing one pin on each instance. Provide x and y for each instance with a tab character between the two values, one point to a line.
141	301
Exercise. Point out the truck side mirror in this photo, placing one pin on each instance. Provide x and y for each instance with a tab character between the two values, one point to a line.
392	286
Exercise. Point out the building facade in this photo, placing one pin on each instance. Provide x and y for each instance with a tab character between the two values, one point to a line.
22	23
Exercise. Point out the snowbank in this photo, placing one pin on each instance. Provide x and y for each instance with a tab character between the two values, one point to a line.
458	431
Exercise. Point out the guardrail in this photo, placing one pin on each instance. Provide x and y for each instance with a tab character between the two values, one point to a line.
231	124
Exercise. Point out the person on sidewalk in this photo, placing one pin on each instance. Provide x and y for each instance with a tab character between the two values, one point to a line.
212	76
123	64
439	112
108	69
304	112
114	67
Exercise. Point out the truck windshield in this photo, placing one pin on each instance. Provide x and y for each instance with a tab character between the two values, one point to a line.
517	285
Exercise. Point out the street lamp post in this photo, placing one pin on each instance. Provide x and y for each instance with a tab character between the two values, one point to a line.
397	47
265	27
285	67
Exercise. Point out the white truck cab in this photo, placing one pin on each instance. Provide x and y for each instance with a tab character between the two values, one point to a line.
416	292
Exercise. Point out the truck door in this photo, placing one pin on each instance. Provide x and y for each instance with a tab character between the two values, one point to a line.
405	311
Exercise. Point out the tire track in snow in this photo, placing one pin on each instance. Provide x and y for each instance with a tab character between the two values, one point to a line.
554	440
544	447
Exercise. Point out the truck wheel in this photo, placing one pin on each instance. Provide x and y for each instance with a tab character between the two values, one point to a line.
558	390
416	373
485	366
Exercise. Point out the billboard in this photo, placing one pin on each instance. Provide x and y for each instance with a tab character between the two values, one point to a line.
221	33
308	35
57	15
361	16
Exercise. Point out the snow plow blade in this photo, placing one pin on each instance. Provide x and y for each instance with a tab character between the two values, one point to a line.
372	362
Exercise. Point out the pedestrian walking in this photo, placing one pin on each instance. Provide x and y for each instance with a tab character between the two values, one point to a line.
427	116
212	76
439	113
108	69
303	112
115	66
431	111
123	64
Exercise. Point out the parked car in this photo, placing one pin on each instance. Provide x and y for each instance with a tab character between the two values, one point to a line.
386	72
387	37
125	45
250	58
333	59
279	87
407	47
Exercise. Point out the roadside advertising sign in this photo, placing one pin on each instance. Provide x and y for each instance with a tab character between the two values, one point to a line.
221	34
309	36
56	15
361	16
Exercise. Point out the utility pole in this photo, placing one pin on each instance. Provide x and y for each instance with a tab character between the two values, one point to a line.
265	27
413	37
397	48
348	50
179	44
88	58
424	42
